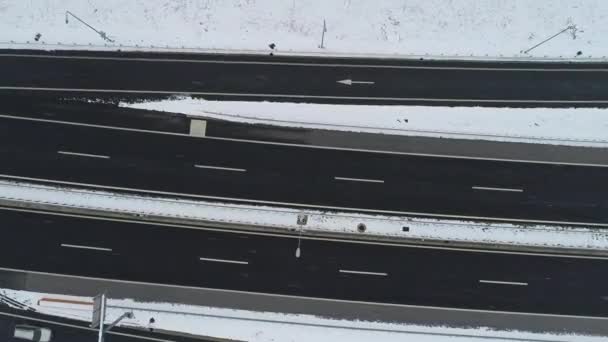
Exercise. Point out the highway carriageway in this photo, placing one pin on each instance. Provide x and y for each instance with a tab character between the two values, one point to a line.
104	111
299	79
302	176
331	269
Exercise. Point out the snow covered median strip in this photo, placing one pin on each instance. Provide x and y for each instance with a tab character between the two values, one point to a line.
558	126
267	326
317	221
465	28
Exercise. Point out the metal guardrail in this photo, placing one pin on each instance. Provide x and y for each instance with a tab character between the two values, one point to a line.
323	53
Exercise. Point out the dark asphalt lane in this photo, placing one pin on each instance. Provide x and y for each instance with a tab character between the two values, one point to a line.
311	80
293	176
108	113
85	111
327	269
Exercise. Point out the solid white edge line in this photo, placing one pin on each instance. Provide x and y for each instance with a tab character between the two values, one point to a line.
359	180
517	283
305	237
83	154
68	245
302	205
382	274
219	168
496	189
514	313
306	146
329	65
226	261
82	327
299	96
70	123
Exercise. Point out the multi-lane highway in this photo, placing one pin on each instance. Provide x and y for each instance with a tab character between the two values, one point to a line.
48	150
307	79
336	269
46	137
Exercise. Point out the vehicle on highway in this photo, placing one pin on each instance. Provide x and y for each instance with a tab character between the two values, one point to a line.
31	333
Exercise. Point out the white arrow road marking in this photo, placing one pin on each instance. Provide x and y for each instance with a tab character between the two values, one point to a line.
351	82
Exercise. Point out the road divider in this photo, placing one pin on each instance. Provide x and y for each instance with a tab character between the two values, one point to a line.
478	237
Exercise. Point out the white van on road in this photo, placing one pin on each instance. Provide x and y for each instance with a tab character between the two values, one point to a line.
31	333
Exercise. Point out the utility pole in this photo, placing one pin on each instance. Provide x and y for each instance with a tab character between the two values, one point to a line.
302	220
99	316
571	27
102	34
323	35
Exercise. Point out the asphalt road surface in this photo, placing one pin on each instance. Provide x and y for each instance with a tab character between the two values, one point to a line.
335	269
301	176
108	113
307	79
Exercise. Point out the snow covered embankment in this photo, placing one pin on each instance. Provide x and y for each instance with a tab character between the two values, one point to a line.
267	326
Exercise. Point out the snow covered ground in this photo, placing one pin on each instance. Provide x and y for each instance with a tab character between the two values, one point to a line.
559	126
267	326
318	221
462	28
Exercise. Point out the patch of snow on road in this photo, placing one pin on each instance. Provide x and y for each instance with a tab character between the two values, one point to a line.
559	126
387	27
267	326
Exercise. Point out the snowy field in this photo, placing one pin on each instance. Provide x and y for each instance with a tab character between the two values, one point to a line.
268	326
462	28
558	126
543	236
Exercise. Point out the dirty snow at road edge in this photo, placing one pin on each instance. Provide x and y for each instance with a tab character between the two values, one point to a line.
268	326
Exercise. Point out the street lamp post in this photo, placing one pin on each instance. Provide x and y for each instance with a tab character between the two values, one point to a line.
323	35
99	316
102	34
